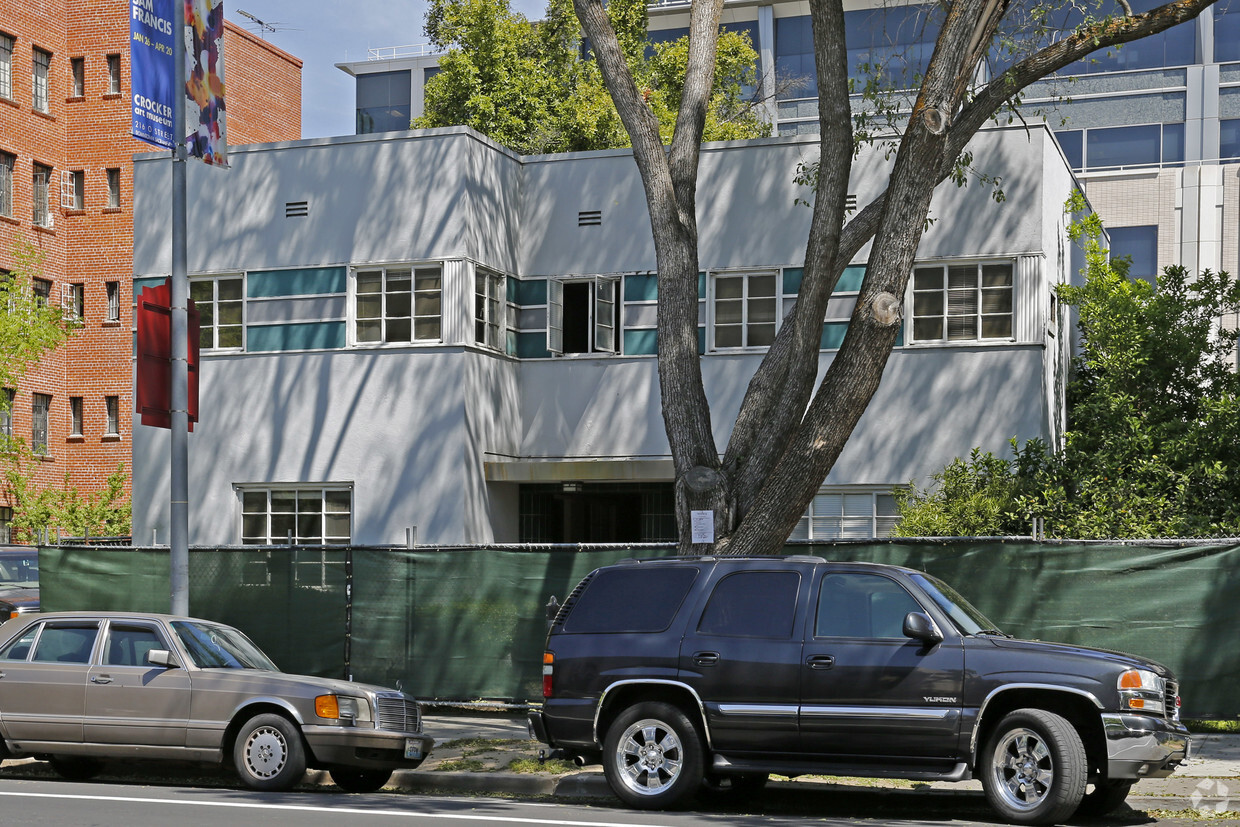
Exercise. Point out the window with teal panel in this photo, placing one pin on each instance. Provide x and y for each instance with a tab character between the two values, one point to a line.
397	304
310	281
221	311
743	309
962	302
305	336
641	287
640	342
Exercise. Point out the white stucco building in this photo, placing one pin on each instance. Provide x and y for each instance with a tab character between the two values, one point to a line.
425	329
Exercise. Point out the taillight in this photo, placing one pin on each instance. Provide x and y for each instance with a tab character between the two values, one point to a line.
548	673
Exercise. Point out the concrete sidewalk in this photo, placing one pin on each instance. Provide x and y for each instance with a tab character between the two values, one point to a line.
1210	781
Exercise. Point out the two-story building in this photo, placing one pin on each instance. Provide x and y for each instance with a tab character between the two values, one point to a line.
424	329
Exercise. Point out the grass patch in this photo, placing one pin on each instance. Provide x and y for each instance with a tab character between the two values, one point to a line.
477	745
462	765
1197	725
554	766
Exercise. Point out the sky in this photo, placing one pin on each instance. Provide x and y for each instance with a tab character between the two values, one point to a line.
323	33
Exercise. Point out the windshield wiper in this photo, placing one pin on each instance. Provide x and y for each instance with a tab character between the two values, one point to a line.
991	632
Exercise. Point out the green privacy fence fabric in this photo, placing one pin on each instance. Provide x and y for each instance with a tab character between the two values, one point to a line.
468	623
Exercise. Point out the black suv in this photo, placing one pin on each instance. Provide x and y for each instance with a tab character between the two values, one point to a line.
683	671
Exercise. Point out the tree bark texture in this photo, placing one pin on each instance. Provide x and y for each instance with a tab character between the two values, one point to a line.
788	435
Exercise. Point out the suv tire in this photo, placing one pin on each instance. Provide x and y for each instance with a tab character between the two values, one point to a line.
1105	798
1033	768
652	756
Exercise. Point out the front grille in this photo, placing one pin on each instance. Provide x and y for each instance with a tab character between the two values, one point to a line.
399	712
1171	692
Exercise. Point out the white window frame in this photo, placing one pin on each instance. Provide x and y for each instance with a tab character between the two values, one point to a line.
40	78
75	415
973	308
6	412
849	513
41	183
77	79
420	299
114	74
7	42
248	495
73	189
40	423
7	162
212	326
602	322
113	294
73	301
112	416
490	302
747	299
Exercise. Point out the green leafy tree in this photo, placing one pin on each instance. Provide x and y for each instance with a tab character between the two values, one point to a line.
29	326
65	511
527	85
1152	447
791	426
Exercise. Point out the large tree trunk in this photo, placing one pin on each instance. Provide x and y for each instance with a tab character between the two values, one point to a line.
787	436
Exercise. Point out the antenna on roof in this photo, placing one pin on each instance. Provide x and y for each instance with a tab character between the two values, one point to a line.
263	27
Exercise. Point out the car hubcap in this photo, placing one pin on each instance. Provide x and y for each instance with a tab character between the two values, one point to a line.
265	752
1023	769
649	757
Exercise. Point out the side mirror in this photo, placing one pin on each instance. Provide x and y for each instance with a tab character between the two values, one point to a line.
164	658
919	626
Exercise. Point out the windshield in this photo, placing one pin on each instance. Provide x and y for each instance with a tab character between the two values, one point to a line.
19	569
214	646
966	618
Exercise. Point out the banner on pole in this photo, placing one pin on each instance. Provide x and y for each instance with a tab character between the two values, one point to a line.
205	131
151	43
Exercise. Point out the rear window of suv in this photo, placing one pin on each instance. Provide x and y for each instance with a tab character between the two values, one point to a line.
641	600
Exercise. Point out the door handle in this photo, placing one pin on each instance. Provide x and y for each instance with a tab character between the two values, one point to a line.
100	679
821	661
705	658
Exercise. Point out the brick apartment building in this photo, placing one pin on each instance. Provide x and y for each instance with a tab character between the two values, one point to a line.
66	186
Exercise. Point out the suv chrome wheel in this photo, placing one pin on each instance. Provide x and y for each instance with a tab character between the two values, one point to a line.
1035	768
653	756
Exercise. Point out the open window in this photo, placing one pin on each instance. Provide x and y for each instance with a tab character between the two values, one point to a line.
583	315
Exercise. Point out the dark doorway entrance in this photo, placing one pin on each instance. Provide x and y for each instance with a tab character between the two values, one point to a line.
575	512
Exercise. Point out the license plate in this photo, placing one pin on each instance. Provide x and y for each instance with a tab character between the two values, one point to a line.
413	748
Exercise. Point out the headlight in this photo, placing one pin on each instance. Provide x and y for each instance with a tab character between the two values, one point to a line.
342	707
1142	691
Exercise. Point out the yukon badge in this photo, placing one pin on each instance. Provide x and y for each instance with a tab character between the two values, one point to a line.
939	700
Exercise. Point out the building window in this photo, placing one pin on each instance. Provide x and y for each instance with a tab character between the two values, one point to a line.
73	301
114	301
114	189
1140	246
6	184
112	425
848	515
398	304
6	66
1226	33
221	310
75	416
73	190
1121	147
384	101
583	315
42	289
488	307
962	302
42	182
6	524
745	309
77	76
6	412
42	64
306	515
1228	143
114	74
39	407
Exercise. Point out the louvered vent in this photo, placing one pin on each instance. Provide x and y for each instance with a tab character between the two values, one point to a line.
296	209
850	203
590	218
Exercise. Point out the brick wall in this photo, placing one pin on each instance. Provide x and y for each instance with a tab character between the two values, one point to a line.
93	246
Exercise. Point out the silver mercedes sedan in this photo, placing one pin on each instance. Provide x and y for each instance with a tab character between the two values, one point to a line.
77	688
